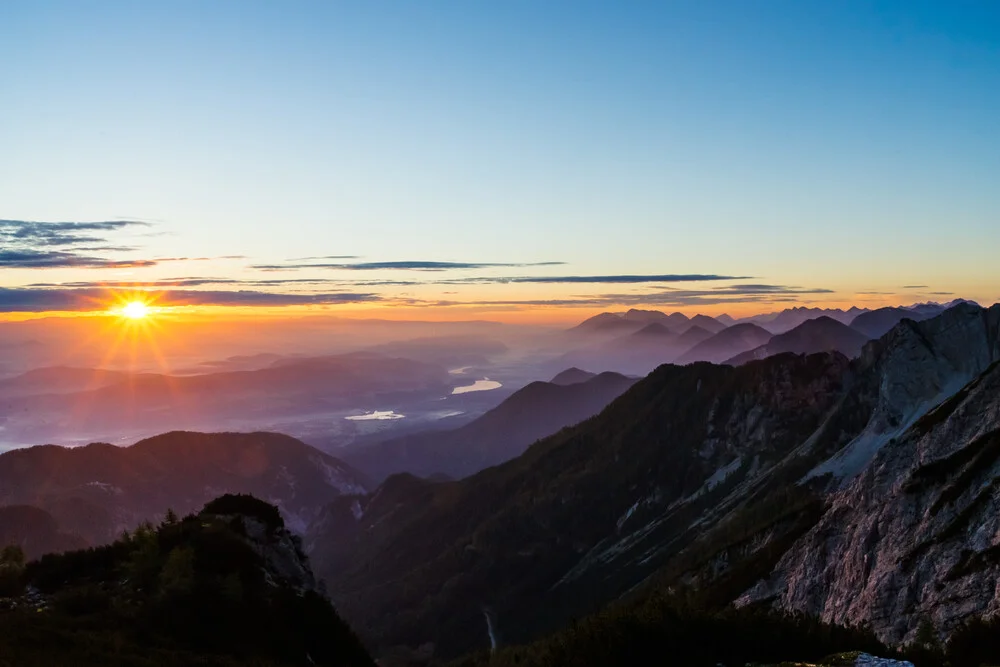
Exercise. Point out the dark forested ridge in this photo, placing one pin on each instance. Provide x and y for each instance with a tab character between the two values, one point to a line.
227	586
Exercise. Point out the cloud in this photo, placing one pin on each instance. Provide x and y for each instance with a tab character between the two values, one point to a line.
33	233
41	259
411	265
914	287
669	297
89	299
198	281
31	244
617	279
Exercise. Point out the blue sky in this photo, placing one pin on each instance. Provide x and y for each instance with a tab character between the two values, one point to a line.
843	146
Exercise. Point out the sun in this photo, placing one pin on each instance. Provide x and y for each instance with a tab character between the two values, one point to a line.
135	310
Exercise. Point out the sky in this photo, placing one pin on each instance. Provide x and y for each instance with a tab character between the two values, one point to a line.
507	160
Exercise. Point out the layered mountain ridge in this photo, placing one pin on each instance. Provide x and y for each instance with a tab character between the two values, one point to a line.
702	477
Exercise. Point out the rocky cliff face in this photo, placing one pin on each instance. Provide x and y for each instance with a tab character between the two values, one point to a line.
913	530
910	370
285	563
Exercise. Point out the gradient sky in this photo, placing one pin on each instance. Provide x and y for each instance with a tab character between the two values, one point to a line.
830	152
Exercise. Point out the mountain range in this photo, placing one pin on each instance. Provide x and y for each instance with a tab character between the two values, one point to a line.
857	490
637	341
814	472
732	340
816	335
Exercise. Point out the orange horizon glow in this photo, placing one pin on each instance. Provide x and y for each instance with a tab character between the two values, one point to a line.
141	306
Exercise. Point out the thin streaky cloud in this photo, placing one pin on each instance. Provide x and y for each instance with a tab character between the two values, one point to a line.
39	259
733	294
411	265
41	300
198	281
623	279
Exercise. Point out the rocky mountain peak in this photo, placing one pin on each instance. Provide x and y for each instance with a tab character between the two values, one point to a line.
914	367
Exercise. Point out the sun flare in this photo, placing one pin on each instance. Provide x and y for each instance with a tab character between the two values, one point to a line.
135	310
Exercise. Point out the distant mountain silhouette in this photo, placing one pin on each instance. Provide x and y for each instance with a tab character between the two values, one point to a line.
639	350
655	330
572	376
823	334
674	321
535	411
790	318
115	488
707	323
632	320
726	344
933	309
607	323
692	337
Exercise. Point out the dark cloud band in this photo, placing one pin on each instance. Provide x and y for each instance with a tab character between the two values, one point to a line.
90	299
29	244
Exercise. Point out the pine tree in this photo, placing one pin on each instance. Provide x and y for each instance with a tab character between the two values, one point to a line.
11	570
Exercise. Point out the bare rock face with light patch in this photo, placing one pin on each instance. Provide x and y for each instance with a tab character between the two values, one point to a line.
916	534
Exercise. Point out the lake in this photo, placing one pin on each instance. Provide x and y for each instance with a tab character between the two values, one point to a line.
485	384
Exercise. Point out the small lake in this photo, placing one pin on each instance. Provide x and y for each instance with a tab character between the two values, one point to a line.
485	384
377	415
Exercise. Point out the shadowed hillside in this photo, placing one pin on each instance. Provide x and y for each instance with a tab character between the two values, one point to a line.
533	412
99	490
